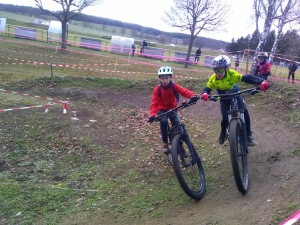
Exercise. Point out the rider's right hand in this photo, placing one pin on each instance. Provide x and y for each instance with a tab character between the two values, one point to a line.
204	96
151	119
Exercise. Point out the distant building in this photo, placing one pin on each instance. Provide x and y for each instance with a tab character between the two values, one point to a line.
42	22
177	41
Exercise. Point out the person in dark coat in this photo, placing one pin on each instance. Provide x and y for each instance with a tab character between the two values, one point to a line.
133	49
292	68
197	56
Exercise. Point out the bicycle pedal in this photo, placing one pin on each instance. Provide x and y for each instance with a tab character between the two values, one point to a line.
184	156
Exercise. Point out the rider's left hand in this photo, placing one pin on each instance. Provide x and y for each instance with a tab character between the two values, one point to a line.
264	85
151	119
194	98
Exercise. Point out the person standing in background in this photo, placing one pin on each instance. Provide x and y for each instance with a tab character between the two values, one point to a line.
133	48
237	63
197	56
292	68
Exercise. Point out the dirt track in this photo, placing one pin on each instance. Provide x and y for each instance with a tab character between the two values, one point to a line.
274	174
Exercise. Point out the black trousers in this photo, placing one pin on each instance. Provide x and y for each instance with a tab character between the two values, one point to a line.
225	107
164	125
293	75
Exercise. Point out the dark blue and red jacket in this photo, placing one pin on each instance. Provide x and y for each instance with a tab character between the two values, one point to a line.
263	69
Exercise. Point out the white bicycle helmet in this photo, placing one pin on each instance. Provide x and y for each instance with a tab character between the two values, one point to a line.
221	61
165	70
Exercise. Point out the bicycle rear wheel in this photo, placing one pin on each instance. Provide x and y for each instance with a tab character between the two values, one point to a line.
238	152
189	169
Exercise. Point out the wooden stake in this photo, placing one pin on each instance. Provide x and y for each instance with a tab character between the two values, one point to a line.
70	122
52	77
247	59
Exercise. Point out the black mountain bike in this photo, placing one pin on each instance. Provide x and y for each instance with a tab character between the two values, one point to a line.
237	136
184	157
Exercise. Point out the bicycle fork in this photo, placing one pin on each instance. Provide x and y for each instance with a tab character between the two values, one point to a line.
232	114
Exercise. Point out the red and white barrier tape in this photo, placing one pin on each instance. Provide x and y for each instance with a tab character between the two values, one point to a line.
293	61
29	107
103	56
75	66
292	219
31	95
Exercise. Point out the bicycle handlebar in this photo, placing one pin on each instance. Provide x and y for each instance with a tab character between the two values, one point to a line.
252	91
184	104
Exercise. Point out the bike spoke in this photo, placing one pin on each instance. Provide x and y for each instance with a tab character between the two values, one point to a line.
189	170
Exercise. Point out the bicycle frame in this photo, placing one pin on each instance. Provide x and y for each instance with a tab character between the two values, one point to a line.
179	127
235	112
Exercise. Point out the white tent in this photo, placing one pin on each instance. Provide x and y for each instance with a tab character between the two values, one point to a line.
54	31
2	24
121	44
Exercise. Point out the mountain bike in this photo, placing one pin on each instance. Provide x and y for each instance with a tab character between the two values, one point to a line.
184	157
237	136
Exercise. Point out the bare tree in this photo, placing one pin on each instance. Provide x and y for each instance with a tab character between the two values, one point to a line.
162	38
123	31
103	27
133	33
267	10
288	12
196	16
70	9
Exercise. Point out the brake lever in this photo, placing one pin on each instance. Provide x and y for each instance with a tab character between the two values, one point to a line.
213	99
255	91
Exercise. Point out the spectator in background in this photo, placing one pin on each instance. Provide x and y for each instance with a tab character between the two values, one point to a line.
292	68
133	48
197	56
263	69
237	63
141	48
145	44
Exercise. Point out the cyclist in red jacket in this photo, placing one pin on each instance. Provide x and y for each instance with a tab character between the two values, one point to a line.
165	97
263	69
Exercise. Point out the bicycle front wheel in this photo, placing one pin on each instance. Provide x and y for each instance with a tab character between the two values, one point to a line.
238	152
188	167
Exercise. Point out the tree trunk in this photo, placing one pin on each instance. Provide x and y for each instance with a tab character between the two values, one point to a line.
277	38
189	52
64	35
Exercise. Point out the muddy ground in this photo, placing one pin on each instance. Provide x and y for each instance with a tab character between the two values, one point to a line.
273	169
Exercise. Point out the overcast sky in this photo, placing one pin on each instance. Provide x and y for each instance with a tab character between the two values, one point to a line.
148	13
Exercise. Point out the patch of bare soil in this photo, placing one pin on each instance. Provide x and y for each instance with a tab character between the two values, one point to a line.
273	169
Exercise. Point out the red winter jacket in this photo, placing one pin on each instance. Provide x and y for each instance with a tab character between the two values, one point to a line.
167	100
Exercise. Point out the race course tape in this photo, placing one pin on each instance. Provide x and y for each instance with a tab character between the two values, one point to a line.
27	107
292	219
77	66
36	96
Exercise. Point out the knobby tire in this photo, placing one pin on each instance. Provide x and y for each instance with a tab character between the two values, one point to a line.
191	178
238	152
